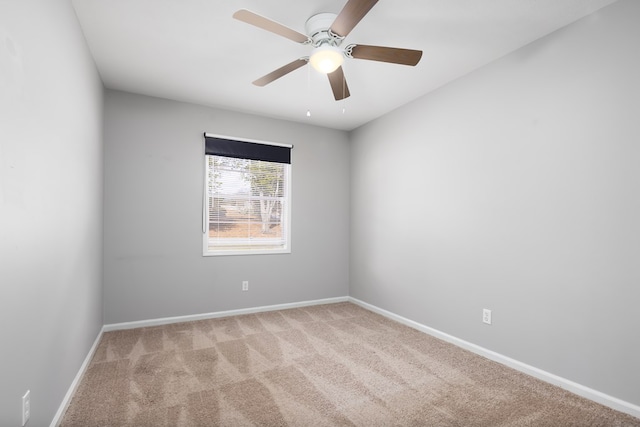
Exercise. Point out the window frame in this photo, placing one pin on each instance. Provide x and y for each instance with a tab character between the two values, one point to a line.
257	250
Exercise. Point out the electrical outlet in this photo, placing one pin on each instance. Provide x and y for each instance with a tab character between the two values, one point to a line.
26	407
486	316
245	285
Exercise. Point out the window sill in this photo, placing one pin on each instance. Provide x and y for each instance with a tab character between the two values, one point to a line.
247	252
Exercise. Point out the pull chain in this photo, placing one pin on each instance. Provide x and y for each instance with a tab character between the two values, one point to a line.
344	91
308	89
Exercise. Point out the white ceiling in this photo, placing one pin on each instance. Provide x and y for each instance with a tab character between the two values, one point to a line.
194	51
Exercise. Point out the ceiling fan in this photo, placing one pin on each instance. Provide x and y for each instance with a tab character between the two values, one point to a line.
325	33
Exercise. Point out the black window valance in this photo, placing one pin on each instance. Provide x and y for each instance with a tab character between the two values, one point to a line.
219	146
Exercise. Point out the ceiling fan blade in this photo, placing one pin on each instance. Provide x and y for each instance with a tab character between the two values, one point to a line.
350	15
249	17
339	84
385	54
275	75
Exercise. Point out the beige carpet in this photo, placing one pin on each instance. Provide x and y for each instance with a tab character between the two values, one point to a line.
326	365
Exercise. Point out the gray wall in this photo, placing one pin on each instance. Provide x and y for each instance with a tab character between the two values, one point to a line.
516	188
153	213
50	205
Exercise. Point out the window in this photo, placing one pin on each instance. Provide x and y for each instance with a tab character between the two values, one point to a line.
247	197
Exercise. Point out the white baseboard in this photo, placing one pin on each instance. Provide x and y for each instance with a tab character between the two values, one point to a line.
579	389
76	381
192	317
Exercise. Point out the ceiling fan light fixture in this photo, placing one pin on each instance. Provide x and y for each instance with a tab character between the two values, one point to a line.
326	58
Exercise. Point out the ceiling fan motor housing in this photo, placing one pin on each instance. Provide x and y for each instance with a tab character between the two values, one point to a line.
317	28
